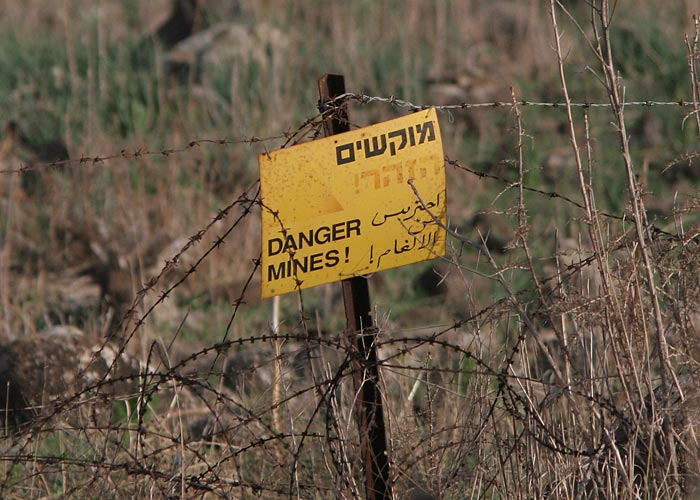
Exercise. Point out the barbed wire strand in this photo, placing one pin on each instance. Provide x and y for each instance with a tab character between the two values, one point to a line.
504	399
402	103
291	138
143	152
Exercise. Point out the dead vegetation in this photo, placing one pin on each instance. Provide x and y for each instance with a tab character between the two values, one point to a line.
551	354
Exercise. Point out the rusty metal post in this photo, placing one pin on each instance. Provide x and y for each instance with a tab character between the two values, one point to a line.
362	335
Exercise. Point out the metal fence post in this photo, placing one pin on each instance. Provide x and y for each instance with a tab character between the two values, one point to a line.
362	335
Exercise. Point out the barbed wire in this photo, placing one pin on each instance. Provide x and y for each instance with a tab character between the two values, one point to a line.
308	129
137	153
313	124
402	103
501	384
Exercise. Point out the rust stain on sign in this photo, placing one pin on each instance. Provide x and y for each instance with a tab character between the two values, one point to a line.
343	206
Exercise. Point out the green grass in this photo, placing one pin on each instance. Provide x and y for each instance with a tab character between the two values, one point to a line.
103	97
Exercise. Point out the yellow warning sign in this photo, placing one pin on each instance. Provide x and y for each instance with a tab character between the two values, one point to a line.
353	204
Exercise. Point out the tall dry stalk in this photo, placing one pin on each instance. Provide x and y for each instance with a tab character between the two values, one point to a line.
277	377
637	378
693	61
631	388
614	90
644	239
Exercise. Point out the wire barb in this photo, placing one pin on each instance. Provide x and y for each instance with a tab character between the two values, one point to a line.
402	103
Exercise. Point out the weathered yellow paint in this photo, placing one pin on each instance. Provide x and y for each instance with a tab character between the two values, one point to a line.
342	206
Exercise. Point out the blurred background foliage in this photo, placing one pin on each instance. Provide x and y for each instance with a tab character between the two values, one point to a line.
172	91
98	77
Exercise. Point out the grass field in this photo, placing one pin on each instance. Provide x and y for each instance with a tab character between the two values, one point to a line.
556	357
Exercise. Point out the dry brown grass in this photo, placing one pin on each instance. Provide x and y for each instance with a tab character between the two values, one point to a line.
559	360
